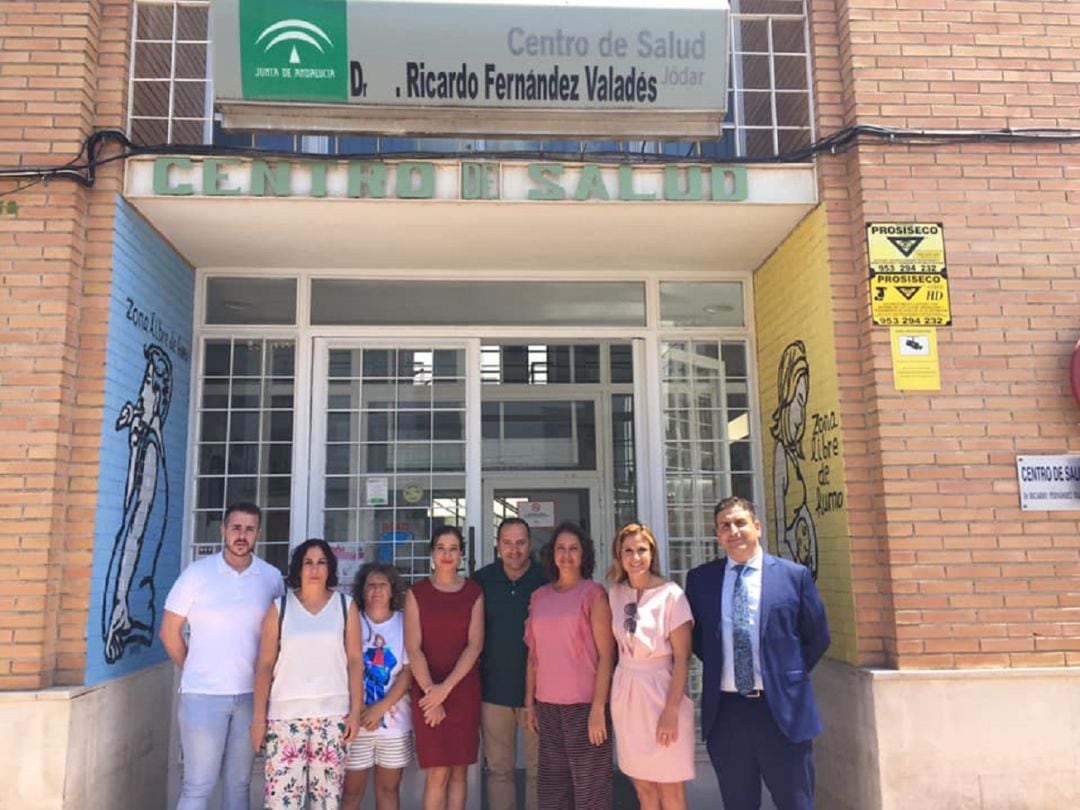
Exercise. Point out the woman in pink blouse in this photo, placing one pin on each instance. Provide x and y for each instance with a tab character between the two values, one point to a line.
571	654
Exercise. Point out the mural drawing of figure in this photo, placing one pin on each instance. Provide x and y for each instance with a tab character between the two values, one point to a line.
795	532
128	610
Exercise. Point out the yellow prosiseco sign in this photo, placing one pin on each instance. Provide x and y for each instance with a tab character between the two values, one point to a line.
909	283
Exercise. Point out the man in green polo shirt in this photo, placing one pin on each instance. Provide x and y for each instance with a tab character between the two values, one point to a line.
508	583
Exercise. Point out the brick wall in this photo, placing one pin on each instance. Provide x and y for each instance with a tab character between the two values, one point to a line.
63	71
948	571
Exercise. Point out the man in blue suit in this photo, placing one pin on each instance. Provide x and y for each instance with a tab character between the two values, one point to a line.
759	628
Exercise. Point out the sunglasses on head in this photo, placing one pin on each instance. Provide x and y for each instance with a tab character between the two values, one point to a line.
630	622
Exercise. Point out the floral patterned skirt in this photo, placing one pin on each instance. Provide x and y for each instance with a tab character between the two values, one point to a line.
305	763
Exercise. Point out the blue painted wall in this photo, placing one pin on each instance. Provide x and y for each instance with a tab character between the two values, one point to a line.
144	432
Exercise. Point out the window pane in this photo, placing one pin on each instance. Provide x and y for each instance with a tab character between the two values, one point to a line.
539	435
358	302
712	303
236	300
622	363
244	447
153	60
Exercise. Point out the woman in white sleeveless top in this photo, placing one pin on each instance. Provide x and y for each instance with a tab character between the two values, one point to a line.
308	684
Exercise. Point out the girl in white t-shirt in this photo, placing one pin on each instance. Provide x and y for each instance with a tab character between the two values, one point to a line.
385	738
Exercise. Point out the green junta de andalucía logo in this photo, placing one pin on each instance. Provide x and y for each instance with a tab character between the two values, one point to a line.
294	50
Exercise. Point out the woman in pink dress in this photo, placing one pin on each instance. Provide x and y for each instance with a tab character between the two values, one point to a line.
653	717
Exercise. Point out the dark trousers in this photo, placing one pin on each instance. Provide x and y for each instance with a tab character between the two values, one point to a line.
573	774
746	746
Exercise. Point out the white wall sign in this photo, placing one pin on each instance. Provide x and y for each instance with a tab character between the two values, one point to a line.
378	490
538	514
1049	483
477	67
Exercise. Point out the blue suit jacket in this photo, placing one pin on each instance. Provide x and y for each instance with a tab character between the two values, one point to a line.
794	636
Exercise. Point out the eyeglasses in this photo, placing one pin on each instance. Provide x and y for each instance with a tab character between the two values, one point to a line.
630	622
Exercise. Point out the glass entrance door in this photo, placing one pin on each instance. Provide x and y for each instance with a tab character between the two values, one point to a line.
558	438
409	436
389	451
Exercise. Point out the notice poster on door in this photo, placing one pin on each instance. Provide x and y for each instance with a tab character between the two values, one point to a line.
538	514
350	557
378	490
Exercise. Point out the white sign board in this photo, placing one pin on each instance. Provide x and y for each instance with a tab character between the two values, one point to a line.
378	491
437	66
538	514
1049	483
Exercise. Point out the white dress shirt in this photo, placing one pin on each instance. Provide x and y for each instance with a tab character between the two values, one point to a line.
752	580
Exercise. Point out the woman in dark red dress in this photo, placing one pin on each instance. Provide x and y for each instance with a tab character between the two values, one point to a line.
444	633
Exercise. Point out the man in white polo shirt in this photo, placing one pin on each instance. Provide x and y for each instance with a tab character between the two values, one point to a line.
222	599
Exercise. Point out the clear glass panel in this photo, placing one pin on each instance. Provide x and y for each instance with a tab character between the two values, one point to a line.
701	303
363	302
790	72
149	132
792	110
153	60
752	36
244	300
244	451
217	358
395	454
586	364
539	435
622	363
215	394
756	108
150	99
155	22
553	364
247	358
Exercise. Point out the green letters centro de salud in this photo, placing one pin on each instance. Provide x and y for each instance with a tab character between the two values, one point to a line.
415	180
294	50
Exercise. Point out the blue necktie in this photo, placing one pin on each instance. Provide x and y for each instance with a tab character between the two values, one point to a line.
740	633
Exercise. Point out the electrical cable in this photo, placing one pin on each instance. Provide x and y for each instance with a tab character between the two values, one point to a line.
840	141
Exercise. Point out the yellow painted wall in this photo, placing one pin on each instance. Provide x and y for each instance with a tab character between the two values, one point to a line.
805	497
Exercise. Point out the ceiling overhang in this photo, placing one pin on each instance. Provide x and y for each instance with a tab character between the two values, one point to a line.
315	223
